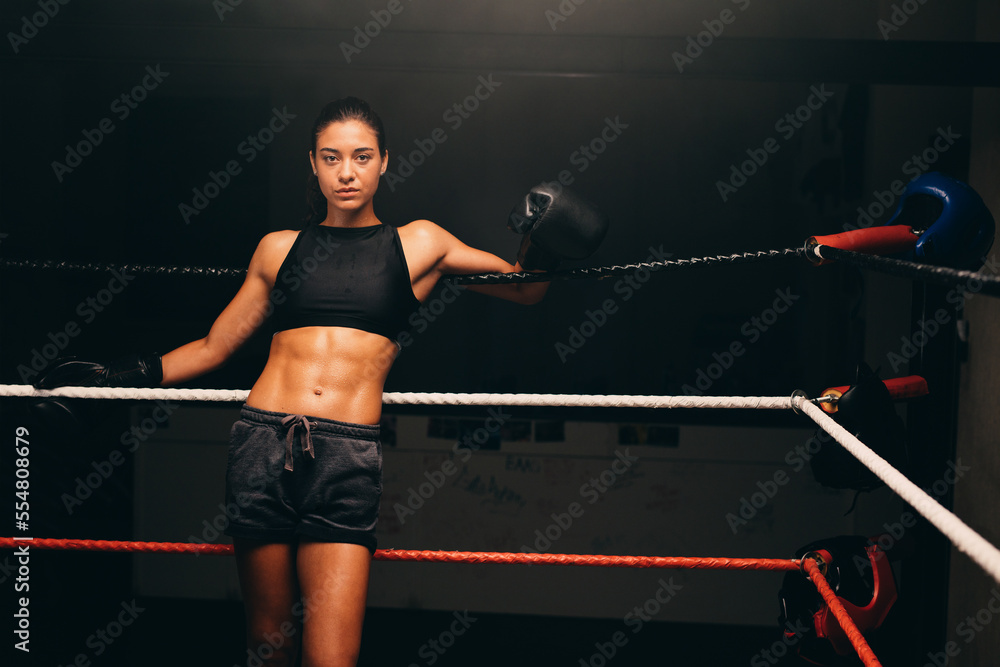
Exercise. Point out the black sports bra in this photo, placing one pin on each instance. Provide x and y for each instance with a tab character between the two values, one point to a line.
346	277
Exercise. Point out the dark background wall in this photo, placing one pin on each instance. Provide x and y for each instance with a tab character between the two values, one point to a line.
554	87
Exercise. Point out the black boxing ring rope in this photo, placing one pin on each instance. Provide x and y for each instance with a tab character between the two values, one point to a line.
96	267
942	275
623	269
471	279
988	284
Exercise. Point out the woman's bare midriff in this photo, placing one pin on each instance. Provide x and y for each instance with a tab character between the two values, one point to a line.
329	372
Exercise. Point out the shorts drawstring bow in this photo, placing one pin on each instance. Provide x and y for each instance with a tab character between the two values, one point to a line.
290	422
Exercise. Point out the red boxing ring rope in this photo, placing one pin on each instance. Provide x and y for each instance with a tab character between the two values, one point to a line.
479	557
666	562
843	618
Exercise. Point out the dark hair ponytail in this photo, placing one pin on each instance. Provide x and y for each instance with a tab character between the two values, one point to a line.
347	108
316	207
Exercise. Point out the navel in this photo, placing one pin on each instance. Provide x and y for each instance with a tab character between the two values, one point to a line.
318	391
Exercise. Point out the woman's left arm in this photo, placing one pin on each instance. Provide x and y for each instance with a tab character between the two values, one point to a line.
451	256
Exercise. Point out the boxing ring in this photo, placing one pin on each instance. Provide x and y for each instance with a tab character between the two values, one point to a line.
961	535
861	248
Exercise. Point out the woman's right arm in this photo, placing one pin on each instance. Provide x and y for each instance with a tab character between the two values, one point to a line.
240	319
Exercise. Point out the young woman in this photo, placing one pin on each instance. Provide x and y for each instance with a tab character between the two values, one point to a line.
305	463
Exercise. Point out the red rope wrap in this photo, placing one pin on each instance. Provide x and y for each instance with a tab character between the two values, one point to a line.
843	618
666	562
871	240
112	545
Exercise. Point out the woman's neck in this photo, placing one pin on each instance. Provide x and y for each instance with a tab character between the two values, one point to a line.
364	217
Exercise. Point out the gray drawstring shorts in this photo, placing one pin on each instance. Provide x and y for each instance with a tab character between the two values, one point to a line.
295	476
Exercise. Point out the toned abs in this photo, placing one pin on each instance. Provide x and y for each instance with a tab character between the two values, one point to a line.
337	372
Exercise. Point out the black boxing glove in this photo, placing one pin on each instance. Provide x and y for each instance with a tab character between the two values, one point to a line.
557	225
66	417
867	411
130	371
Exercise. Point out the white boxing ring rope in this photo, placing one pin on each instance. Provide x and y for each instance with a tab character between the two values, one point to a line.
958	532
961	535
414	398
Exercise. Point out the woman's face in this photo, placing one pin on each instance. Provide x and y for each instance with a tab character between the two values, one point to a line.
347	163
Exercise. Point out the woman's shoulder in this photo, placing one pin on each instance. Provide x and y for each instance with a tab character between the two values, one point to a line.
279	237
273	247
422	229
423	239
279	240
